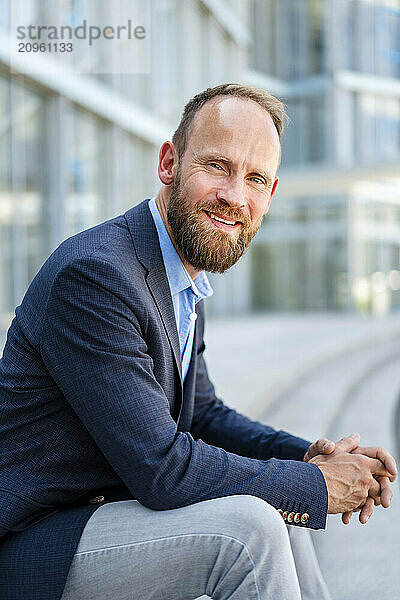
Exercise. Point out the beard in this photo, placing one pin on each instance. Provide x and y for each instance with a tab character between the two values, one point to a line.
203	246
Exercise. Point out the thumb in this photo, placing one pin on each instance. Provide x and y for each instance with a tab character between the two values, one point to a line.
349	443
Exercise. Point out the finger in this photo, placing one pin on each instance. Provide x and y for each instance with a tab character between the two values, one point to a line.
366	510
386	491
346	516
374	490
377	468
381	454
388	460
349	443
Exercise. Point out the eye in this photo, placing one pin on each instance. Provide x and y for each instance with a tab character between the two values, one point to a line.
216	165
257	179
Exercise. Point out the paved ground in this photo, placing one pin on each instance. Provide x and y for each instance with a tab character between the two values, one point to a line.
254	361
323	375
366	561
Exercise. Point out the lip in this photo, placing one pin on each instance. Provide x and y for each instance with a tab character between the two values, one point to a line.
220	225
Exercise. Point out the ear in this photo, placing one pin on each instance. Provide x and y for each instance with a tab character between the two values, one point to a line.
167	163
274	186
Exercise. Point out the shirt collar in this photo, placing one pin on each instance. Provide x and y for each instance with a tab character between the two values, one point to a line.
178	277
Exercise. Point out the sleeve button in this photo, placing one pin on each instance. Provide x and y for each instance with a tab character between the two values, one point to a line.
297	518
97	500
290	517
284	515
305	518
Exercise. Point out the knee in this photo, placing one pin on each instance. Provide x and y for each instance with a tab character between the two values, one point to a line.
251	519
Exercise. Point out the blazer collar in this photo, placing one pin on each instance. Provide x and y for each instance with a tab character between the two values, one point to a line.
145	240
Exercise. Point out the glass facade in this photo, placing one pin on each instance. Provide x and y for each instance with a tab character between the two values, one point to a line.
377	127
62	169
87	162
331	239
328	241
362	20
23	226
299	260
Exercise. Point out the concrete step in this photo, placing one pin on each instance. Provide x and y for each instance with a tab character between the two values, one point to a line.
317	401
362	561
254	361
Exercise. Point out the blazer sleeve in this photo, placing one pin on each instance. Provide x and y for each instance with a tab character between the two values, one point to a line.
93	343
217	424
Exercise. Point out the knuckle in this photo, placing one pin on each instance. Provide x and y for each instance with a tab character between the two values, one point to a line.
365	479
362	464
375	493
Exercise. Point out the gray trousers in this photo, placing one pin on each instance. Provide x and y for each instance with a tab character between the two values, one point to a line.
232	548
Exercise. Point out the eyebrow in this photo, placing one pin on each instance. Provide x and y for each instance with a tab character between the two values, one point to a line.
203	158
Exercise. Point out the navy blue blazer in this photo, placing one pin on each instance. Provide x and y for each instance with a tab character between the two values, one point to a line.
92	404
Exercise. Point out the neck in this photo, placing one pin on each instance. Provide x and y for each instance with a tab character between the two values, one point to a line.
162	200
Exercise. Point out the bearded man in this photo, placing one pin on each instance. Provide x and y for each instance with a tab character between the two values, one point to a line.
122	474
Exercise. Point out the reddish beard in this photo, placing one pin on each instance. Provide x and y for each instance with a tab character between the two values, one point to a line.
203	246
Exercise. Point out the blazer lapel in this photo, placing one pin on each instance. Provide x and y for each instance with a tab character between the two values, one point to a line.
156	282
145	240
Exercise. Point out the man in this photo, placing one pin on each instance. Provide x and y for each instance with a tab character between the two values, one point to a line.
107	405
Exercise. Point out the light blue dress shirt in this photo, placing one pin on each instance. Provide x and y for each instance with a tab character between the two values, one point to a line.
185	292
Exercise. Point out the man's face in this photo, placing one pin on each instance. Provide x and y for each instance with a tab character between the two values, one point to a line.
224	183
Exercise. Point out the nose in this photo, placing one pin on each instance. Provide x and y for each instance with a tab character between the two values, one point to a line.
232	193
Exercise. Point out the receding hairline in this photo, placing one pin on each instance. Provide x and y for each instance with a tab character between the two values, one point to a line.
218	99
225	97
268	102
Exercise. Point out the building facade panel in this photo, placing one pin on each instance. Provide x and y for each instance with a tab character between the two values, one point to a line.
72	155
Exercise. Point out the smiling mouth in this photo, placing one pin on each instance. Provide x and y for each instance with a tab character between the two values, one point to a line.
222	222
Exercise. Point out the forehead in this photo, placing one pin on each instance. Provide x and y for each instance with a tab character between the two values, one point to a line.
239	126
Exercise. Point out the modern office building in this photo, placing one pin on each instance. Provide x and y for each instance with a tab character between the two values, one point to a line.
77	150
332	240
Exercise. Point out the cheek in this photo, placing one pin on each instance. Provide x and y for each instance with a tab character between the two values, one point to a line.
258	207
198	186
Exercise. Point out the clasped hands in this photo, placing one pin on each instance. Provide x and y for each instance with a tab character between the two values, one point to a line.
356	477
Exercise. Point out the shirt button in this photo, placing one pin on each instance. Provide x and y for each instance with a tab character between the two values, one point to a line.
193	316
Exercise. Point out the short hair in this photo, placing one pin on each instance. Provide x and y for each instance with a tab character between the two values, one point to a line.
274	107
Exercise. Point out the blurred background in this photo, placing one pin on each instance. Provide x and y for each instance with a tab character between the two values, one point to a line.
305	328
73	156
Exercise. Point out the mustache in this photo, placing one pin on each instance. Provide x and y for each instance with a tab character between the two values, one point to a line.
225	211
